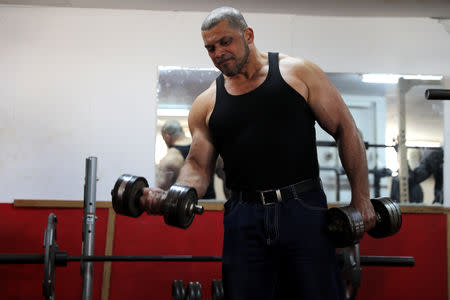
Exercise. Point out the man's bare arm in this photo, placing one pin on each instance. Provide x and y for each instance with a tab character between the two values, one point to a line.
201	161
334	117
168	169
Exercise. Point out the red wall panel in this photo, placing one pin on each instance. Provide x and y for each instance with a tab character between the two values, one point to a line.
148	235
22	231
422	236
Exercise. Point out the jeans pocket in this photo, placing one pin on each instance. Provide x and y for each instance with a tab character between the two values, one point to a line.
313	202
229	207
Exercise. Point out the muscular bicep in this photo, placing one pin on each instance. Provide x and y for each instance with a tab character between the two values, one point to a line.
202	152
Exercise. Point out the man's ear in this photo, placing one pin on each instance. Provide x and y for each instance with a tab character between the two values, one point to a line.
249	35
167	139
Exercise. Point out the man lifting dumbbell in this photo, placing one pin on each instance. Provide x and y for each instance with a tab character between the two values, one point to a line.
259	115
178	204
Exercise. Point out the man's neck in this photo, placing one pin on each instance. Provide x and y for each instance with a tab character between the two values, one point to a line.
256	61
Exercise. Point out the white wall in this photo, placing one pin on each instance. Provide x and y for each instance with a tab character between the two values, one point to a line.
82	82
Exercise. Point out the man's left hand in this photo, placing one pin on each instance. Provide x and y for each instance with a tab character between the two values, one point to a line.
365	208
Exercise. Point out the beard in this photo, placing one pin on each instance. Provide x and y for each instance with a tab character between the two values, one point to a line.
237	67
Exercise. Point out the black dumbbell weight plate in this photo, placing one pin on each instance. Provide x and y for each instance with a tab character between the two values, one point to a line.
389	218
191	291
178	290
394	217
217	290
398	214
48	284
179	206
345	226
126	194
135	193
198	291
185	207
170	205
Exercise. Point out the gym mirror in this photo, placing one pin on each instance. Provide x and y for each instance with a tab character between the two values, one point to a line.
374	101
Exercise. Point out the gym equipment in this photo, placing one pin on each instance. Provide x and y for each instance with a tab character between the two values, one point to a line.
345	224
50	246
350	263
178	290
53	258
179	205
88	229
437	94
194	291
217	290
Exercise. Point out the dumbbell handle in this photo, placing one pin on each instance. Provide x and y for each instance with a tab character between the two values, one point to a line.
196	209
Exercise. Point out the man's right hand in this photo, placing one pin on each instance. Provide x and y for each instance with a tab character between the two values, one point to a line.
151	200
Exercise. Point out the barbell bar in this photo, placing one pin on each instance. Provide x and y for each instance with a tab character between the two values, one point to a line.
61	259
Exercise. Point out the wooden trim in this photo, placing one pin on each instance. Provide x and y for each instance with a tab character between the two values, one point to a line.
58	203
213	205
412	209
207	204
424	209
108	251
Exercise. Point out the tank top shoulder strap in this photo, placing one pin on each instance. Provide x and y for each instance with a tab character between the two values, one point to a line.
274	67
220	85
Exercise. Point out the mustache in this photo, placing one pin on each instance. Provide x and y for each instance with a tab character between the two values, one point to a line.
224	58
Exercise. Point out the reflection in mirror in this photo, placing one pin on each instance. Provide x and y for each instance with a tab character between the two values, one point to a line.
376	106
177	90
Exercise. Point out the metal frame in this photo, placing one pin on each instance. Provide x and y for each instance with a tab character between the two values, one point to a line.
88	233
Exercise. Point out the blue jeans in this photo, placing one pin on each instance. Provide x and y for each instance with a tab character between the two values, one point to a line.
279	251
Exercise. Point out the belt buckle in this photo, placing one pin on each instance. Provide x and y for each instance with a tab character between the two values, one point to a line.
263	199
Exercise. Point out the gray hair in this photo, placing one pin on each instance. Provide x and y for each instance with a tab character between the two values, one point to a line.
232	15
172	128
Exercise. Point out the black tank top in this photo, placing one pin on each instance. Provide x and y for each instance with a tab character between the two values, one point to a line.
210	193
183	149
266	137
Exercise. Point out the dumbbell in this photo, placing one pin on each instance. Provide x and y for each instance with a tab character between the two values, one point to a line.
193	291
217	290
345	226
179	204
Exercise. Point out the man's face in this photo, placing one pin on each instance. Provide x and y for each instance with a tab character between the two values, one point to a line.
227	48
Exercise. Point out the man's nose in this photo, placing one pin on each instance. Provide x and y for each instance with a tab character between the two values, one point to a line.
219	53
